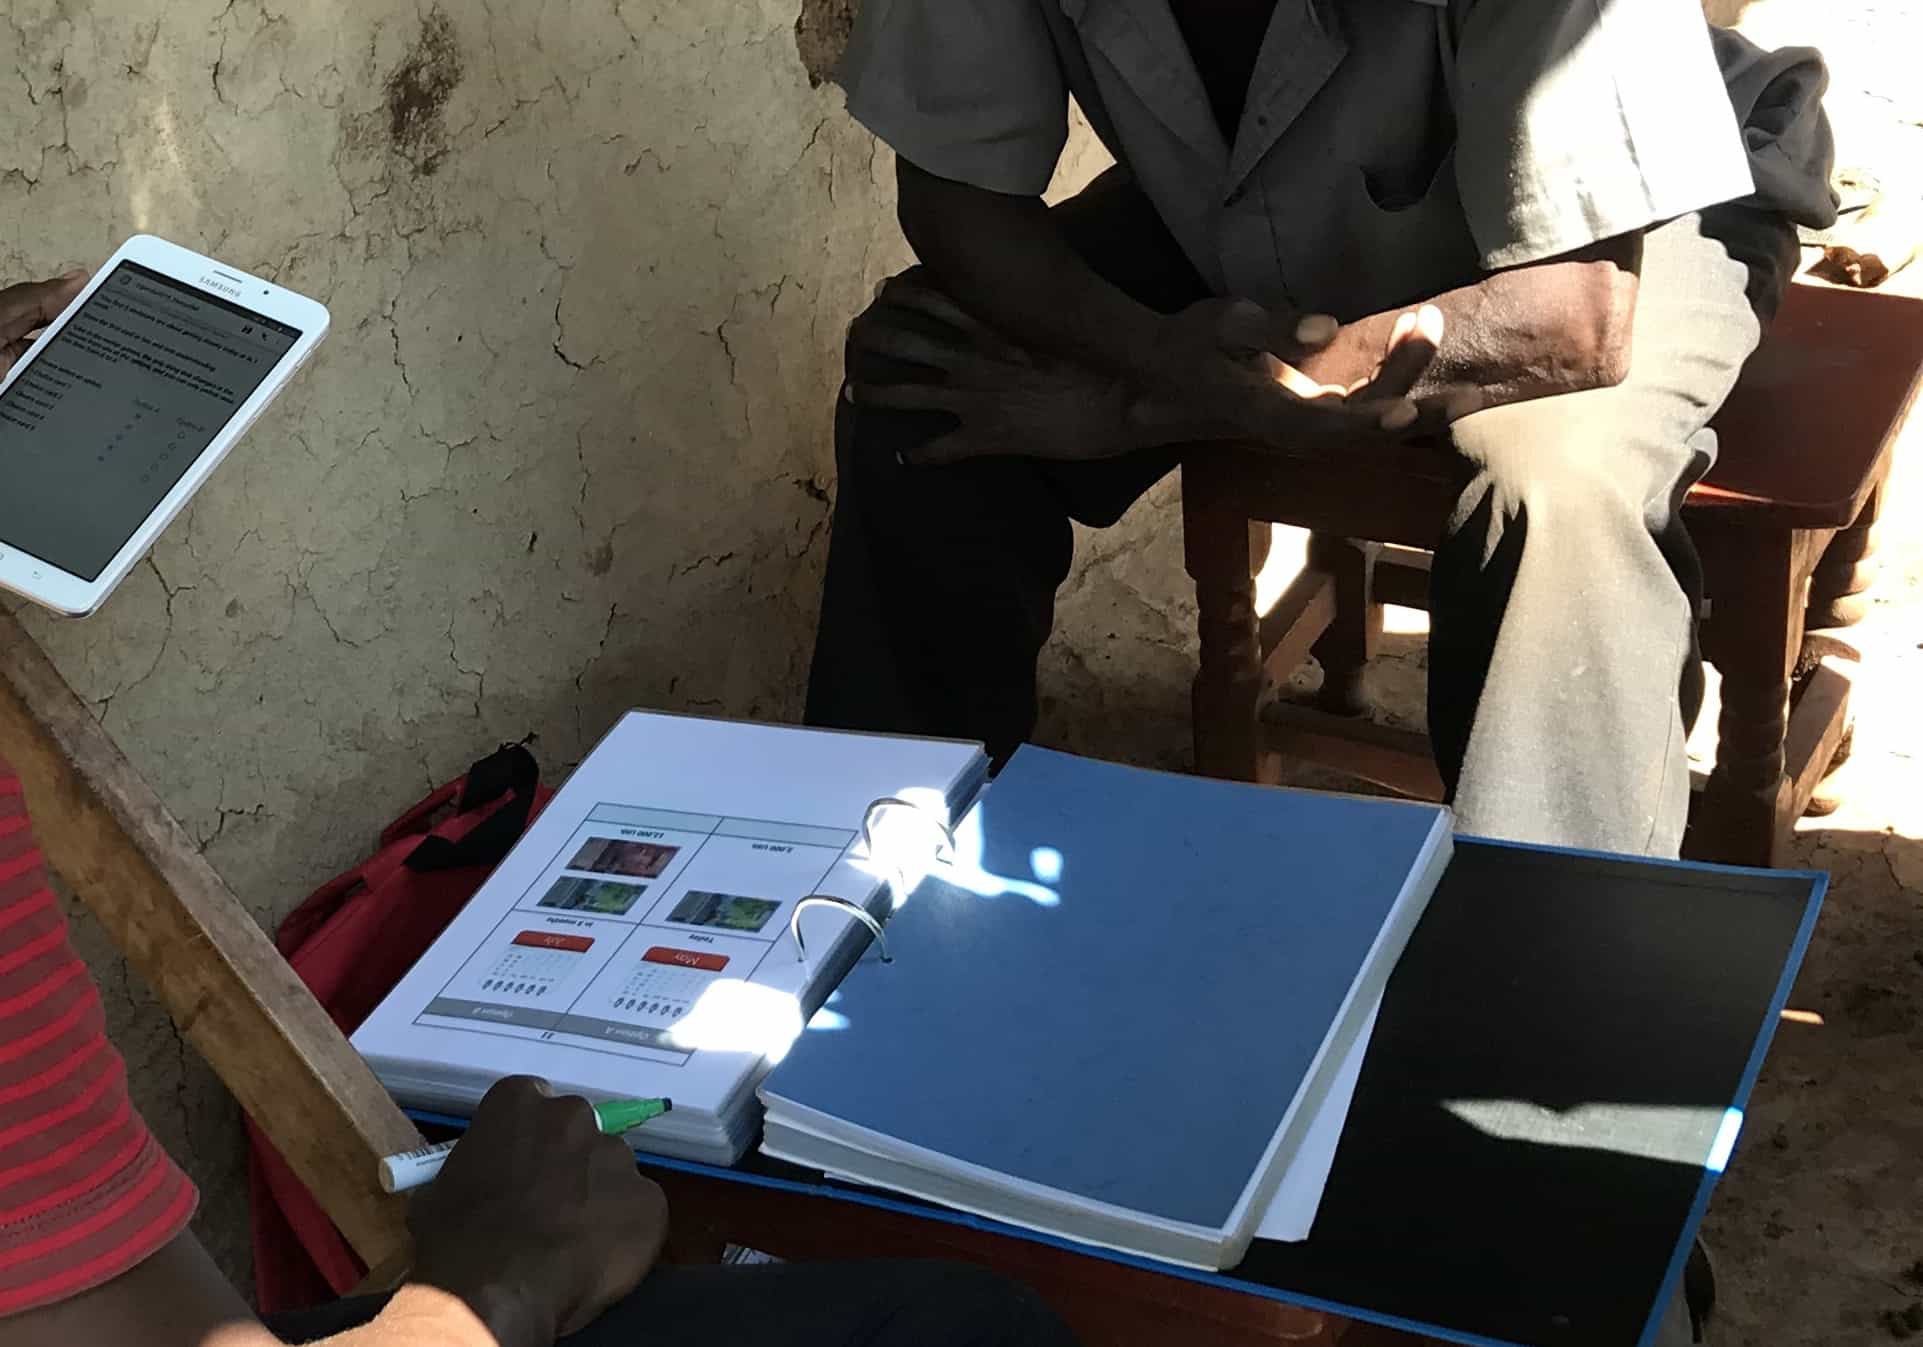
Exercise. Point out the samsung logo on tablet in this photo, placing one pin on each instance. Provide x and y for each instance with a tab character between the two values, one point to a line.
213	284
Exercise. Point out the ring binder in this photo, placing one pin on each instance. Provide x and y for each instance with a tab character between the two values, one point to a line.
944	851
855	910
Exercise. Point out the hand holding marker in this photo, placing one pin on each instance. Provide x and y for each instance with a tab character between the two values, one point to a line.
410	1169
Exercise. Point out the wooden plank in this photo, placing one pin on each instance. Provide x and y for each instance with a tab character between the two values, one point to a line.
1408	558
1397	493
228	990
1398	759
1816	725
1839	369
1402	577
1107	1304
1296	622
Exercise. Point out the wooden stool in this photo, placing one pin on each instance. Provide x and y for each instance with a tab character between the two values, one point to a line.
1783	524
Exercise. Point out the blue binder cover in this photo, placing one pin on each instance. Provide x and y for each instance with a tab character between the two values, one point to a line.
1121	989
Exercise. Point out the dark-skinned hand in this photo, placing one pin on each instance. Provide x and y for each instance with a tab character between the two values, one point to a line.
1010	401
538	1221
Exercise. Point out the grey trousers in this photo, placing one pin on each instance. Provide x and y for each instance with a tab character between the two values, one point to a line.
1563	633
1563	664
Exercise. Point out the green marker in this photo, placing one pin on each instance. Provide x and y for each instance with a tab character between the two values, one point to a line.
411	1169
624	1115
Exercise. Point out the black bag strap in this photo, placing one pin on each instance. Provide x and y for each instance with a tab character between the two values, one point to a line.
510	769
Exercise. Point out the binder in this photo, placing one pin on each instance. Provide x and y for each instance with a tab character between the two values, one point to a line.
698	889
1046	1046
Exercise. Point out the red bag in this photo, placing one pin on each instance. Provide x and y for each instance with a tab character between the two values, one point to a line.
350	942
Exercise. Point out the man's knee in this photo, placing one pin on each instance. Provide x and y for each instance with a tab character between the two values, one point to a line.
1583	464
1545	458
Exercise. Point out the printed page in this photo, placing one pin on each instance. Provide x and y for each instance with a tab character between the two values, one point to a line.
637	940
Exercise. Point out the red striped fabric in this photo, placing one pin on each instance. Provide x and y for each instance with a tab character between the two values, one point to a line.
85	1190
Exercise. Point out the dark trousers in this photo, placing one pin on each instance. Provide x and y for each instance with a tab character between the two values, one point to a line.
1563	668
902	1304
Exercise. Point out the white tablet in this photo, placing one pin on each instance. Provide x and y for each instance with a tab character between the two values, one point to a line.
123	407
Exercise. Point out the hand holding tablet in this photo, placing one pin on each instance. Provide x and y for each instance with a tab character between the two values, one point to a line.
121	409
28	307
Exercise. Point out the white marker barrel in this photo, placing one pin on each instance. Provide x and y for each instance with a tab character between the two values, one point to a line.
411	1169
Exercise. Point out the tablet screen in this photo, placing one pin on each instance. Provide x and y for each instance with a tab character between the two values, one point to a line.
98	429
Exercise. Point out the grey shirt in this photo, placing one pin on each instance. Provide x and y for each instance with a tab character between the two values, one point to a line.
1389	149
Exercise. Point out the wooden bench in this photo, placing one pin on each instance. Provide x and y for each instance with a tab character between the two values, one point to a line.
1783	524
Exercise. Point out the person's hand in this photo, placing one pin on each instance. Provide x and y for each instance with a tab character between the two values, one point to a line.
1242	367
538	1221
29	306
1220	377
1007	400
1359	355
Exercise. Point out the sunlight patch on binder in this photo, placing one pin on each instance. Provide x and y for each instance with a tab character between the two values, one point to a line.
965	871
1046	862
907	838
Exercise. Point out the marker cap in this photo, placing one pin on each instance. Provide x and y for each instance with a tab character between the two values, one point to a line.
624	1115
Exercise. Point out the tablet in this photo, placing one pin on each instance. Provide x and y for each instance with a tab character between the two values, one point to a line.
123	407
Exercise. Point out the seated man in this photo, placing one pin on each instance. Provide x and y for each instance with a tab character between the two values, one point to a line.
1538	228
538	1227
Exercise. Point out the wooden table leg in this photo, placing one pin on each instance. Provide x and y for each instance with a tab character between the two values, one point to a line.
1759	580
1224	553
220	978
1345	649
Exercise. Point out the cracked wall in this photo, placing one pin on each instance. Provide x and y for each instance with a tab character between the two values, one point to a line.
566	451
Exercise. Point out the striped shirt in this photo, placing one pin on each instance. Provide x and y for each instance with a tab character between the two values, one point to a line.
86	1193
